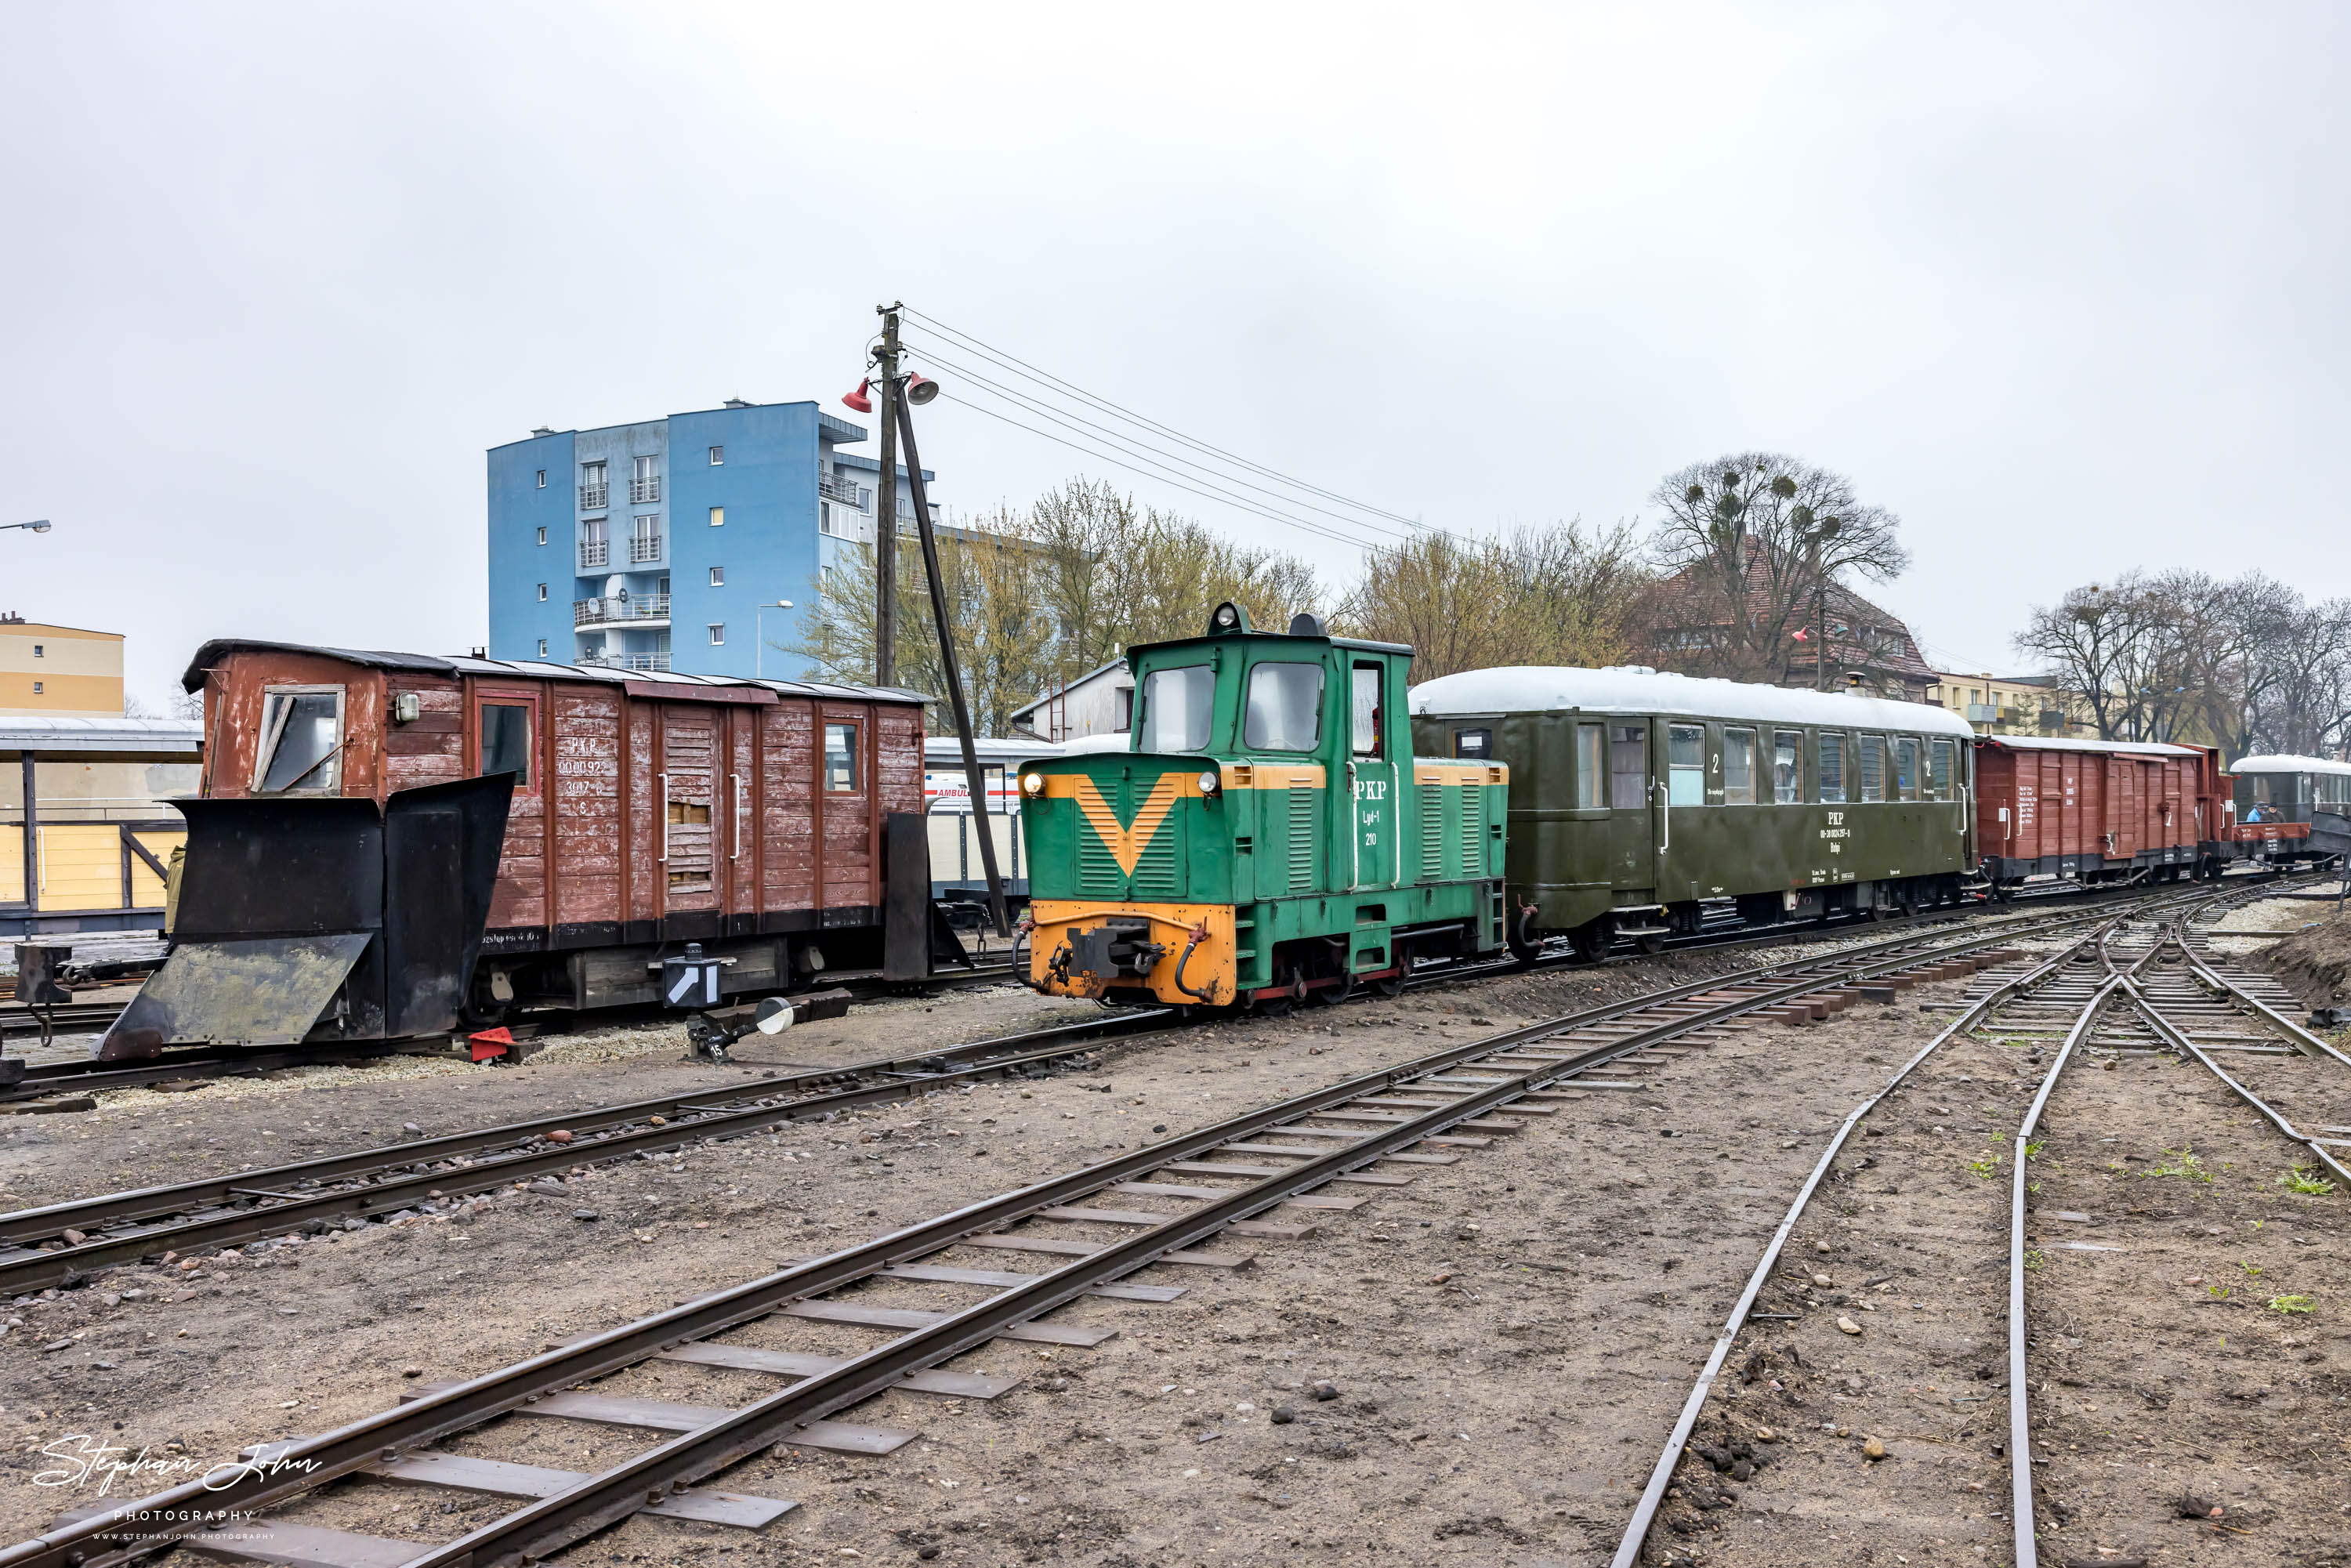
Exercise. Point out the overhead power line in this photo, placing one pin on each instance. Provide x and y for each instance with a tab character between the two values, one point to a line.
1146	434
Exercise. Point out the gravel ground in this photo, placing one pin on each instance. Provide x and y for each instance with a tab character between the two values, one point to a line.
1509	1336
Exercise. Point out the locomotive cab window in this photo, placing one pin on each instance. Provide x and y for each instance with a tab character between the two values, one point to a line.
1628	765
301	741
1590	766
1364	711
1788	767
1686	764
1477	743
1738	767
505	741
840	760
1832	768
1284	711
1177	705
1938	770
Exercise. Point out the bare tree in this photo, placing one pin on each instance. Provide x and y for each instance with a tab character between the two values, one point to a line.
1556	595
1757	546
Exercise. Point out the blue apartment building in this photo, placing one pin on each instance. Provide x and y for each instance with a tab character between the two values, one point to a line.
653	545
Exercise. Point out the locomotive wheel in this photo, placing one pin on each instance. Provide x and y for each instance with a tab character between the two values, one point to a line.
1387	987
1330	996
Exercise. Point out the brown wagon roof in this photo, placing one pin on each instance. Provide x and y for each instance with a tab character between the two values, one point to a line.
219	648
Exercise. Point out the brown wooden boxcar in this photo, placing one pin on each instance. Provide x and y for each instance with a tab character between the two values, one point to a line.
648	808
2096	810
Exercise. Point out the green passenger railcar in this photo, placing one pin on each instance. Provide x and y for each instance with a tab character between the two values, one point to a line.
1268	834
1639	800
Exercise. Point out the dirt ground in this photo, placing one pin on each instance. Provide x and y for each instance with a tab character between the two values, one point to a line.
1509	1336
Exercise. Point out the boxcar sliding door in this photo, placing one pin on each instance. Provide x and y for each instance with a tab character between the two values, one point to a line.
688	784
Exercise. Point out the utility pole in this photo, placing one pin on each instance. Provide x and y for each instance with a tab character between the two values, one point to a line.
972	779
885	510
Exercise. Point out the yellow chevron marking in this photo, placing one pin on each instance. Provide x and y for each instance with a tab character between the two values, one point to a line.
1126	845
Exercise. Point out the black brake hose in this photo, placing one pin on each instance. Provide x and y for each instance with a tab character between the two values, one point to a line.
1208	996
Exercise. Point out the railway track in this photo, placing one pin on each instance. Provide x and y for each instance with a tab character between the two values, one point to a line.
2137	985
1303	1161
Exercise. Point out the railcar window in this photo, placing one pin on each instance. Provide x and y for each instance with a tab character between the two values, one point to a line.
1176	705
1873	767
1473	742
1938	763
505	741
1285	708
1686	764
1788	767
301	742
841	759
1906	769
1628	765
1738	767
1832	768
1590	765
1365	710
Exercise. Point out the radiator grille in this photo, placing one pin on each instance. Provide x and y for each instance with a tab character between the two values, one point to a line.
1154	870
1302	800
1473	831
1432	831
1097	868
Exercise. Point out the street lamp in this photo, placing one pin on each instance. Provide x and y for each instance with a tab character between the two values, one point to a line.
759	658
38	526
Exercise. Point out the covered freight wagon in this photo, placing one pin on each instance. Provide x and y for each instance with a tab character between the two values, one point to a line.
2094	811
392	843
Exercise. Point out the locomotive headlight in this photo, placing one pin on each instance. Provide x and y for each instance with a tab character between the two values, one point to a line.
1210	783
1032	784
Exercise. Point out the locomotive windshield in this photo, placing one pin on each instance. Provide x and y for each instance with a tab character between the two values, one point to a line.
1177	705
1285	708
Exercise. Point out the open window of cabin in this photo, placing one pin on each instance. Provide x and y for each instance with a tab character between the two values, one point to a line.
1738	766
1938	770
503	739
301	747
1284	709
1788	767
1628	765
1906	768
1176	706
1832	768
1366	719
1685	764
1873	767
1590	766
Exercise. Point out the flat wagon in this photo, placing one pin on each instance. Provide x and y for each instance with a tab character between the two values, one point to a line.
1639	799
2094	811
619	814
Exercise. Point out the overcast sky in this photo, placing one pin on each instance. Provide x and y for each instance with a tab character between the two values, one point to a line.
2062	286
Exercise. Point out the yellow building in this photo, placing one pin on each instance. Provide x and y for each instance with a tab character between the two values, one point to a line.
58	671
2012	705
87	828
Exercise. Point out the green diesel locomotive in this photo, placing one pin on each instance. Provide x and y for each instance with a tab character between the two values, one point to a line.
1270	836
1637	798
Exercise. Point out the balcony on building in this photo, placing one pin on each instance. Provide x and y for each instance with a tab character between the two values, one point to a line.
637	610
658	660
643	549
593	553
592	497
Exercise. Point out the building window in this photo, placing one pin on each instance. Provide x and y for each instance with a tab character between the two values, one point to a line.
717	633
645	485
542	593
718	577
718	517
36	688
38	651
593	550
593	487
645	544
542	647
717	456
542	535
826	523
542	478
841	759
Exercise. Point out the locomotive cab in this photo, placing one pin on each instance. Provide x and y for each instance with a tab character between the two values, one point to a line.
1267	837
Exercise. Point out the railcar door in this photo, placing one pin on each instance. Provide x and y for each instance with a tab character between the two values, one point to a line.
1636	820
1372	777
687	785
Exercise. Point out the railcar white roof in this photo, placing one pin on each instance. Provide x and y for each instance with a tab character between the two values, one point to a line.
1550	688
2273	763
2121	747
